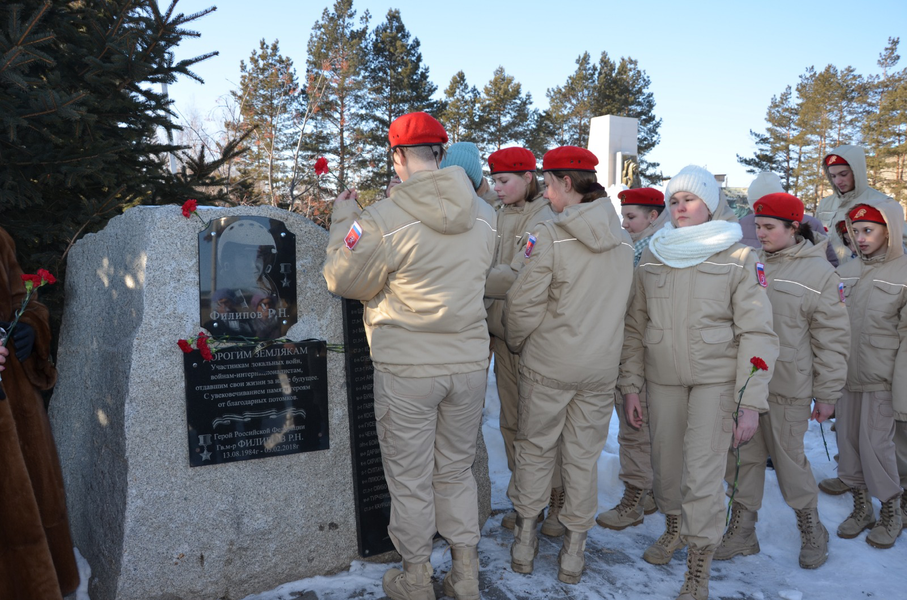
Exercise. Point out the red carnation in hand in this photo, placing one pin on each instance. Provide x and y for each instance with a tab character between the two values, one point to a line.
184	346
202	344
759	364
34	280
46	277
189	207
321	166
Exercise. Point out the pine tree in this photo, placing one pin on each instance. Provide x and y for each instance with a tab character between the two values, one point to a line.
397	83
885	126
571	106
459	110
335	56
81	112
505	115
777	148
269	100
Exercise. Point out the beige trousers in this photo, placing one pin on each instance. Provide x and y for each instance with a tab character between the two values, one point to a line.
900	447
635	446
865	428
780	435
427	429
573	421
692	429
507	373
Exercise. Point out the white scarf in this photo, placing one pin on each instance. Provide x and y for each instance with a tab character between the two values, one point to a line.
688	246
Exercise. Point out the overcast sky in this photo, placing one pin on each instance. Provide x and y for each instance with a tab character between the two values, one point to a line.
714	66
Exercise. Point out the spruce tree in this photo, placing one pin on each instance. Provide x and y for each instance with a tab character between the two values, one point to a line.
397	83
81	112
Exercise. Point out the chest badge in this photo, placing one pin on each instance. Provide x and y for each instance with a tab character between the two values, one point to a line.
760	274
529	246
352	238
841	292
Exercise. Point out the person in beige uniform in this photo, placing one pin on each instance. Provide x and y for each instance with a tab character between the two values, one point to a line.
418	261
569	354
523	207
845	168
875	288
643	214
811	322
697	318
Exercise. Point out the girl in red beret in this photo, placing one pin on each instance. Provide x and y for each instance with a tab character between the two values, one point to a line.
642	211
564	316
811	322
875	395
522	209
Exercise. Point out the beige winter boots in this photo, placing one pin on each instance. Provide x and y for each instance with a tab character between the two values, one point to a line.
740	537
572	558
862	516
412	583
833	486
629	512
525	545
552	526
662	551
509	520
462	581
696	580
813	539
889	525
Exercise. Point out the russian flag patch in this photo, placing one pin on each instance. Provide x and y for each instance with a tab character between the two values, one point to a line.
352	238
841	292
760	274
529	246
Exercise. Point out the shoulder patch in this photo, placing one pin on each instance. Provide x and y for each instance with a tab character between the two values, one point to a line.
841	292
760	274
529	246
352	238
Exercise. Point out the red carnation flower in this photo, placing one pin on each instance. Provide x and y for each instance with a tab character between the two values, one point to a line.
184	346
189	207
758	363
321	166
45	275
202	344
35	280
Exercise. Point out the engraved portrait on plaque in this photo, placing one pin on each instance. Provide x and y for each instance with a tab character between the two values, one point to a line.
247	278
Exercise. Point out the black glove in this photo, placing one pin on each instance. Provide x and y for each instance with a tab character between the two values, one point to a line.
24	338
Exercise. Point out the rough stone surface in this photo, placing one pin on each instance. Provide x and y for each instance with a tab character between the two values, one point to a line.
151	527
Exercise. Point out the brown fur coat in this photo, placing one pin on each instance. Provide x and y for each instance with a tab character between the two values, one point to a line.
36	555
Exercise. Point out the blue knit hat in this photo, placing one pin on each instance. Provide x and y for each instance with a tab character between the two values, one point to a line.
466	155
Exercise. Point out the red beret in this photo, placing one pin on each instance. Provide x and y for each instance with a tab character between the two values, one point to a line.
834	159
642	197
779	206
841	227
416	129
862	212
569	158
511	160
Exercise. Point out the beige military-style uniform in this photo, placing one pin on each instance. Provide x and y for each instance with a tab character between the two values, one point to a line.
876	391
569	355
515	224
690	334
419	265
814	333
834	208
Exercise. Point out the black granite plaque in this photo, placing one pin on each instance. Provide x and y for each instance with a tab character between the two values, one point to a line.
252	402
373	502
247	278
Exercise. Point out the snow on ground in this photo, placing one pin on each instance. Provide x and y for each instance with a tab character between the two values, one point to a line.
614	565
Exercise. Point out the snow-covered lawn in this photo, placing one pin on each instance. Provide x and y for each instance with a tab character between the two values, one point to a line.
614	565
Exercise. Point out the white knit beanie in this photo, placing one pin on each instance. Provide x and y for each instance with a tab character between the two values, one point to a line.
695	180
764	184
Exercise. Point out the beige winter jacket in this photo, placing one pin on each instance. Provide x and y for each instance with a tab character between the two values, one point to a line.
419	267
564	313
876	296
515	225
811	322
834	208
700	325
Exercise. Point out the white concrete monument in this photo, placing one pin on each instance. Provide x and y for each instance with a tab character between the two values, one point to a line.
613	140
